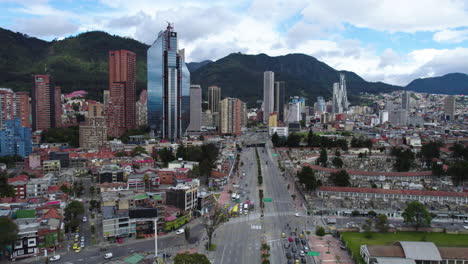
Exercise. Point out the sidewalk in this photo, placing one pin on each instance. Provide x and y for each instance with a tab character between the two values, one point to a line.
335	255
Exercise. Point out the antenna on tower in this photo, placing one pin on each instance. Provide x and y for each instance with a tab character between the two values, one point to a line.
170	25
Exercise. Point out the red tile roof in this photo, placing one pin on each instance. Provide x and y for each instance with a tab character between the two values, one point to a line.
393	191
372	173
51	213
24	178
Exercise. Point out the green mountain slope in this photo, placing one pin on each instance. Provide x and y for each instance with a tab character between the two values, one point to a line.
241	76
453	83
81	63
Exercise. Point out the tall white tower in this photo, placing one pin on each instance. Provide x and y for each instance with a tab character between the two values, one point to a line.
268	94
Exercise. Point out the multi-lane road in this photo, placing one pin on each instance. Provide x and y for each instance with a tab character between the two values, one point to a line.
239	240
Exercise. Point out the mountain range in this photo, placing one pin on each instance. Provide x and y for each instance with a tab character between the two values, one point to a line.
452	83
81	63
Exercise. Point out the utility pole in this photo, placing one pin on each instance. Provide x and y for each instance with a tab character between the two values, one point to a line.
156	239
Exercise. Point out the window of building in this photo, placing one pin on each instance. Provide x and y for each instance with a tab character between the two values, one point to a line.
18	244
31	242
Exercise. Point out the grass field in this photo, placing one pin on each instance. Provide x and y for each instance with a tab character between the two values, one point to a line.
354	239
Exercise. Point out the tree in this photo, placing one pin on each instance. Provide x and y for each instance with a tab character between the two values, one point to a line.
74	209
367	227
417	214
372	213
430	150
275	139
340	178
337	153
337	162
323	157
92	190
64	188
293	140
6	190
459	172
187	258
320	231
121	154
9	231
307	177
138	150
166	156
212	222
382	223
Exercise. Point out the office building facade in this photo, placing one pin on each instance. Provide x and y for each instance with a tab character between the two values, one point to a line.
142	109
214	96
340	97
14	105
195	107
321	105
449	107
93	134
268	94
168	87
405	101
121	111
15	139
280	90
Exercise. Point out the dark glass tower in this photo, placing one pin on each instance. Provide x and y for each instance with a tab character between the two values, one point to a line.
168	87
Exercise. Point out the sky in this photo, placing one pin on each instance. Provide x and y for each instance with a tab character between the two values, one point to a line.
393	41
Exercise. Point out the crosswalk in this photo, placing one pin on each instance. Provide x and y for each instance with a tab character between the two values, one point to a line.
256	216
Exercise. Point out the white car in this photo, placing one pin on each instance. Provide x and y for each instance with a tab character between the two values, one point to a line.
180	231
297	214
82	245
302	253
85	219
55	258
108	255
82	239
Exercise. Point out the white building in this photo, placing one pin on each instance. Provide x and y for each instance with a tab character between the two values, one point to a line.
281	131
268	94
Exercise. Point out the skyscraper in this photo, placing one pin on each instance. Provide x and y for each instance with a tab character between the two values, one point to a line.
168	87
340	97
105	95
279	96
24	108
56	106
122	92
42	110
214	96
195	107
230	116
449	107
405	101
268	94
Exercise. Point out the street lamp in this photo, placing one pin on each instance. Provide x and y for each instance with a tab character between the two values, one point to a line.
156	239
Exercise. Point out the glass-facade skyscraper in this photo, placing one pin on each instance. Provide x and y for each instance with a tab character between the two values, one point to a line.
168	87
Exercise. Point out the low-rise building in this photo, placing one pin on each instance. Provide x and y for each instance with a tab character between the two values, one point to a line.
280	131
19	184
183	196
38	187
51	166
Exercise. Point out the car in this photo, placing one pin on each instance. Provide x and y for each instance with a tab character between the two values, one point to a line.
303	260
297	214
78	250
297	261
288	255
306	248
246	212
301	235
180	231
108	255
55	258
295	256
290	261
76	239
465	221
82	239
297	240
283	235
343	247
303	241
294	249
82	245
85	219
287	245
302	253
75	246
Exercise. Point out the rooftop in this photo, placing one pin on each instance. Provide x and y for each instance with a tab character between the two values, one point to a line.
392	191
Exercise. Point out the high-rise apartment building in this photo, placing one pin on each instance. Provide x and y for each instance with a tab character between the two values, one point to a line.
214	96
340	97
15	139
42	106
231	118
142	109
449	107
95	109
24	108
121	111
195	107
14	105
105	95
405	101
168	87
93	134
56	106
280	89
268	94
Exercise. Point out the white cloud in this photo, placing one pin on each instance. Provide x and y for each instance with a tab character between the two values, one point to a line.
46	26
451	36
